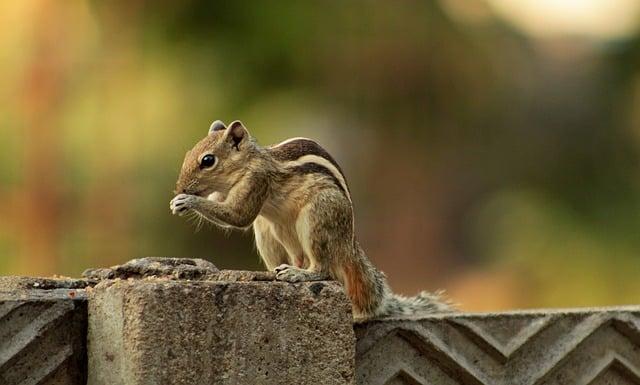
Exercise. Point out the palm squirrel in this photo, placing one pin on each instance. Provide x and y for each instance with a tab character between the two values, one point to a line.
296	197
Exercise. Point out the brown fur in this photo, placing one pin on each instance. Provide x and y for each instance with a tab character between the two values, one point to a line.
358	291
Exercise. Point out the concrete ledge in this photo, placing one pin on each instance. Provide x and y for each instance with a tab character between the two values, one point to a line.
190	323
158	331
42	332
581	346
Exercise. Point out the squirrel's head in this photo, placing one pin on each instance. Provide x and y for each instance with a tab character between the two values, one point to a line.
218	161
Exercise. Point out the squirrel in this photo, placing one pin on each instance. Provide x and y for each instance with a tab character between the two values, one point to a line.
296	197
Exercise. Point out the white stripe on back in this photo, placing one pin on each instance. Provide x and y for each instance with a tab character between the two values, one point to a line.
291	140
324	163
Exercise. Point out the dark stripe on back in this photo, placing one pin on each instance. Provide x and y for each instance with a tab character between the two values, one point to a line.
299	148
314	168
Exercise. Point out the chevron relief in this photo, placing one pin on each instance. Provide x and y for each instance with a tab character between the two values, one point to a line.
527	348
503	336
403	377
614	376
610	350
616	370
42	342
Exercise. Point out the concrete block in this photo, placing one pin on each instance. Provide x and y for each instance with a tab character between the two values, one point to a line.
245	331
559	347
42	331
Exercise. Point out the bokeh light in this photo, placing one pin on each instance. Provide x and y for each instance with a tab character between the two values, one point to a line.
492	149
597	19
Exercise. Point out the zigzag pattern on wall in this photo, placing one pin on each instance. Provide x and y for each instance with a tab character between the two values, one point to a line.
588	347
39	342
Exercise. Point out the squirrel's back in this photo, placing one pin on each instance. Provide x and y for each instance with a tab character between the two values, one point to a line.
365	285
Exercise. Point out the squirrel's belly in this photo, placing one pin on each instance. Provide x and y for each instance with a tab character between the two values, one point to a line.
285	234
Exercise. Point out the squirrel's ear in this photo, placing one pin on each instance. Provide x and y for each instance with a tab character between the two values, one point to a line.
218	125
237	134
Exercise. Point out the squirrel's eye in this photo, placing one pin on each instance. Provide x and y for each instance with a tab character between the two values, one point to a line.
207	161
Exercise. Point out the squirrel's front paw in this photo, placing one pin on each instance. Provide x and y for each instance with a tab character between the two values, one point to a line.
182	203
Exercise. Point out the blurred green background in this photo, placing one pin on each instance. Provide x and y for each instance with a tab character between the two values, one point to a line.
492	147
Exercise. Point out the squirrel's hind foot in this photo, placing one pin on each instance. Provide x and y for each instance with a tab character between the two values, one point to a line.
292	274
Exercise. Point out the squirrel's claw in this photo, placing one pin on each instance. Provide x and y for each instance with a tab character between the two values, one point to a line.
181	204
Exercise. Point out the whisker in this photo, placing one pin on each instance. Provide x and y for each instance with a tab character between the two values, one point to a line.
200	221
192	216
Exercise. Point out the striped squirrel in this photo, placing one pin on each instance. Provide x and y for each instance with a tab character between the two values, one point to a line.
297	199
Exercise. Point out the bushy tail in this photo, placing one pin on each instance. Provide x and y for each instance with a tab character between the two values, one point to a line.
372	298
425	303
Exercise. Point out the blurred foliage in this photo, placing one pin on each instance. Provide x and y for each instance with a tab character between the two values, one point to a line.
500	167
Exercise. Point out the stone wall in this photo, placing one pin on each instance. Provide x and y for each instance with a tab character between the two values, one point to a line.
192	324
582	346
42	332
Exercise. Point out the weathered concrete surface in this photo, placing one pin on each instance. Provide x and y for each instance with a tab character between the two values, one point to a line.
192	269
560	347
174	268
155	331
15	283
42	331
